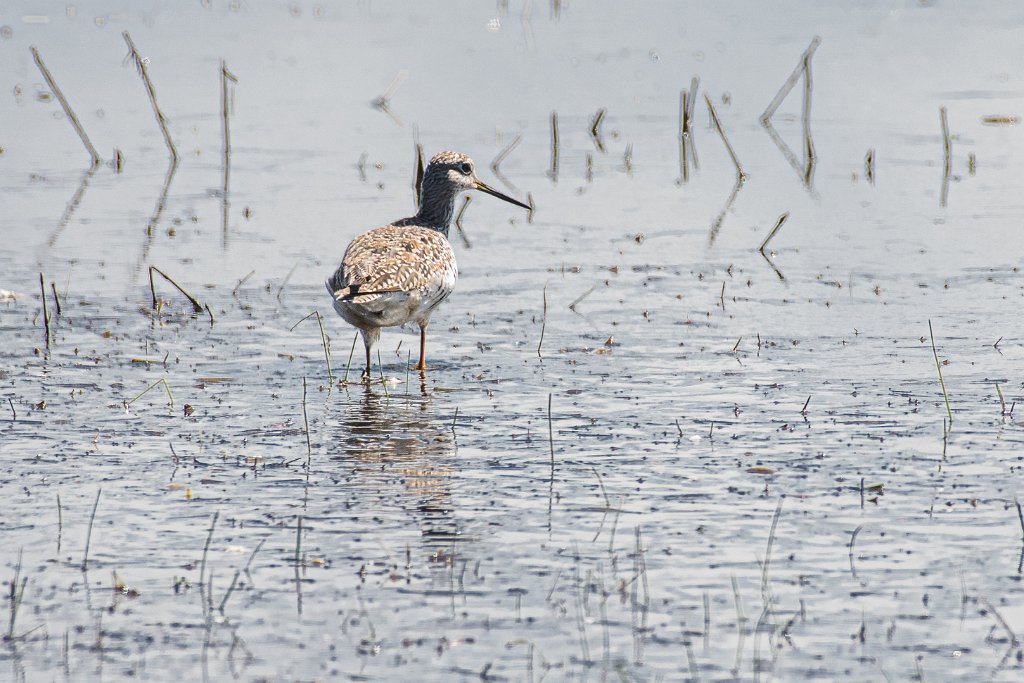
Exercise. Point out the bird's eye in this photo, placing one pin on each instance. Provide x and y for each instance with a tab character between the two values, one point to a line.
466	168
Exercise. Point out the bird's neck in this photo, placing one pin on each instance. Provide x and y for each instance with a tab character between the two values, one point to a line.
436	211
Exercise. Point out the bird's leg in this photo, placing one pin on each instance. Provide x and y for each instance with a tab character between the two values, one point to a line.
366	372
422	365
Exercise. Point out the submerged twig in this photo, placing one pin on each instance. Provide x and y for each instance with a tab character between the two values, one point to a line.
161	202
88	533
716	225
72	205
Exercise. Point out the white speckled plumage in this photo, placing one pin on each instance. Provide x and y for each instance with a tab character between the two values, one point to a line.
401	272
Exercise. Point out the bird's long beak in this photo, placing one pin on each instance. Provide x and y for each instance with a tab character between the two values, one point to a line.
483	187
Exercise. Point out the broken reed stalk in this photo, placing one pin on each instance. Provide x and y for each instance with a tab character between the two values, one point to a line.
56	299
684	164
791	81
595	129
241	282
253	555
161	201
196	306
227	595
16	596
298	544
551	435
778	225
68	111
60	523
167	388
581	297
351	352
768	551
284	284
853	539
504	153
740	175
1002	622
458	221
324	341
543	320
417	179
206	546
408	368
383	381
141	65
1020	517
88	533
947	164
553	172
809	155
938	368
691	105
46	313
226	80
305	422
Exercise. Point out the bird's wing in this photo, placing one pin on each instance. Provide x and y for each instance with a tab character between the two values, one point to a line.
392	259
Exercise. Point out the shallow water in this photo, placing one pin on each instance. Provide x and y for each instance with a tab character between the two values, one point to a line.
745	471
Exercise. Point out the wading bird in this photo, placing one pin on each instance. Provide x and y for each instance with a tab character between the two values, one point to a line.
402	271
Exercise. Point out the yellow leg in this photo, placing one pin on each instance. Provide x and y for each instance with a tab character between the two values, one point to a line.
422	365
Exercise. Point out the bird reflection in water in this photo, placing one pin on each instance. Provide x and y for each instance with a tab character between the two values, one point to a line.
401	453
